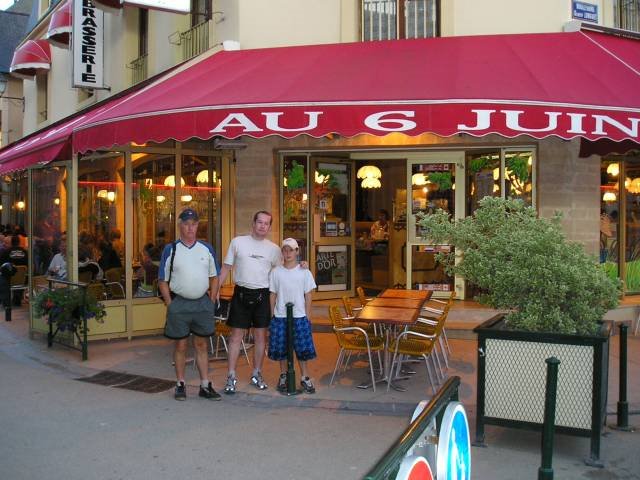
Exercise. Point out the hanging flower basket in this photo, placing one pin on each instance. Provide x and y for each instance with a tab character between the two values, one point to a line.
68	307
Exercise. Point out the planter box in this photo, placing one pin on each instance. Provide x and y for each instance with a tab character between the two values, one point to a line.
512	380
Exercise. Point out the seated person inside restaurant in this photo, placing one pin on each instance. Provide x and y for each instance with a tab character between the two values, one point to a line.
16	255
58	266
109	258
147	274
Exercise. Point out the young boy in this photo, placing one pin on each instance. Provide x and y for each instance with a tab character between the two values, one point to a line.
290	283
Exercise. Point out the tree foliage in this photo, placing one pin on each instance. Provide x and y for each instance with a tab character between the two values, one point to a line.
524	264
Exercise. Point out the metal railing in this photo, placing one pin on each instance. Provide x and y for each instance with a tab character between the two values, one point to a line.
627	15
387	467
391	19
195	40
138	69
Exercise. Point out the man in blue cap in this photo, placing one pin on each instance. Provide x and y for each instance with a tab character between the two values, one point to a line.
187	280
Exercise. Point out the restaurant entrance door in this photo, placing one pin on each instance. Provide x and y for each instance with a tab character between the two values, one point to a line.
434	181
332	221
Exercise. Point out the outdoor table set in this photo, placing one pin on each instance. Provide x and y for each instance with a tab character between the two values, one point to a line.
392	309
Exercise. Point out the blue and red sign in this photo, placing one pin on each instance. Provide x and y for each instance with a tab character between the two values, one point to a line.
454	445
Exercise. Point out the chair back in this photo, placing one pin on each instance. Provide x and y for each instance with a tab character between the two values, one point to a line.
361	296
348	308
85	276
20	278
338	322
97	290
113	274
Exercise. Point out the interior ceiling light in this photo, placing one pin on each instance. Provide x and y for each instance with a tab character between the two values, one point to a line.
369	171
609	197
418	179
170	181
371	182
613	169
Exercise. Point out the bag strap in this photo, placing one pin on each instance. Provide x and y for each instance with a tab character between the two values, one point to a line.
173	255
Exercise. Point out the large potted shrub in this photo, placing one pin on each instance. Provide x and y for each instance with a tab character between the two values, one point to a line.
554	296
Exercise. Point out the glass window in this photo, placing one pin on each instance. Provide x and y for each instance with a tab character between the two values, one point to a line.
153	217
332	187
49	210
632	224
487	176
609	216
627	14
432	189
295	201
484	177
201	191
518	172
101	249
14	190
419	19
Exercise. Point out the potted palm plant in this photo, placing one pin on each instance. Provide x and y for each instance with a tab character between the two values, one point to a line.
554	296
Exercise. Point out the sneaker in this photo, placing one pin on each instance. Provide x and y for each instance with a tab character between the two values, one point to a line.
258	382
230	387
282	383
180	392
209	392
307	385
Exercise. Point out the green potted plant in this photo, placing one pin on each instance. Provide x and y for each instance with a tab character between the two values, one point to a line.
554	296
67	308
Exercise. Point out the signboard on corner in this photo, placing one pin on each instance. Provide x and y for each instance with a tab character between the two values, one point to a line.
88	45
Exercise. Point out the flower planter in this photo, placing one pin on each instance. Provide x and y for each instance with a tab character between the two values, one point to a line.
512	375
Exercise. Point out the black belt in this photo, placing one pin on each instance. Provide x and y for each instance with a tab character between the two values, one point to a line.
245	289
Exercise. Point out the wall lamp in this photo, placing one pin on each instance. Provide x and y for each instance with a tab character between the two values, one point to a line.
3	88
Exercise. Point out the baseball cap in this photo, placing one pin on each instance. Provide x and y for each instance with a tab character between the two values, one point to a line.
189	214
291	243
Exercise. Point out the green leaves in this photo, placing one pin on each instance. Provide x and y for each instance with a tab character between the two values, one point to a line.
67	307
524	264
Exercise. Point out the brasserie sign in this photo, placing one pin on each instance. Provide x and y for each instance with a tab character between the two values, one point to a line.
88	45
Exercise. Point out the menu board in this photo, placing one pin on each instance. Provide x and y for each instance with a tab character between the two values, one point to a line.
331	267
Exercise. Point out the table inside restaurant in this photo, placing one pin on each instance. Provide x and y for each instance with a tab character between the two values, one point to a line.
399	293
390	310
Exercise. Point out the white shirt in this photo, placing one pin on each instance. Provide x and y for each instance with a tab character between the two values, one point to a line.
290	285
192	268
58	267
252	260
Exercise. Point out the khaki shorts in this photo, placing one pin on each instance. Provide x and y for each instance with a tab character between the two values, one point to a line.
186	316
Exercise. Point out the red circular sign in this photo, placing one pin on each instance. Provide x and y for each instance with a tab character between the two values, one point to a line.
414	468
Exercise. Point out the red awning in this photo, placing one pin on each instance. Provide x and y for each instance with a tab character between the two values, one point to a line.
30	58
60	25
562	84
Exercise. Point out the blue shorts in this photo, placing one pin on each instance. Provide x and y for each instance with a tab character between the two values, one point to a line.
302	339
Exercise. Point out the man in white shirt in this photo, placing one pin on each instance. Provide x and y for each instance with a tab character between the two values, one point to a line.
188	283
252	257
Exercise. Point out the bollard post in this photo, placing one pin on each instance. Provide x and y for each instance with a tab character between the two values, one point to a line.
623	406
545	472
291	371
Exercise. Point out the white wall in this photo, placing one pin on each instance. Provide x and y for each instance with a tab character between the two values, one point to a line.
473	17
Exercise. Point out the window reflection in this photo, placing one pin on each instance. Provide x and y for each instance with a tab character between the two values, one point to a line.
101	224
295	201
153	217
50	223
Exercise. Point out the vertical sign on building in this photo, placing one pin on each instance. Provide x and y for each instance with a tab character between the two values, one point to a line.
88	45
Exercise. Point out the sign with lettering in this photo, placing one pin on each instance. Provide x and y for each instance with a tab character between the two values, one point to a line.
331	267
584	11
454	445
88	45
